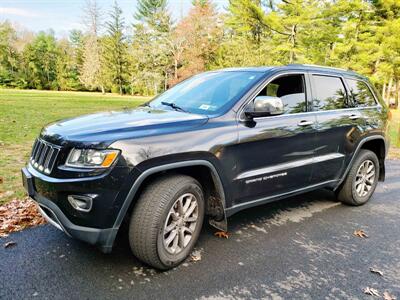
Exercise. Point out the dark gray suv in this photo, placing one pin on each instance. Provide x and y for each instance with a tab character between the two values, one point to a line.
215	144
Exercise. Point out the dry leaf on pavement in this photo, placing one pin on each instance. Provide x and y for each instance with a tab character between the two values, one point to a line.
360	233
376	271
196	256
387	296
221	234
371	291
17	215
9	244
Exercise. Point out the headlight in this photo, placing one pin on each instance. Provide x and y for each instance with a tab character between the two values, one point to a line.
90	158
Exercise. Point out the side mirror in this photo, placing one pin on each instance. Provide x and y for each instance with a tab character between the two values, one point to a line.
265	106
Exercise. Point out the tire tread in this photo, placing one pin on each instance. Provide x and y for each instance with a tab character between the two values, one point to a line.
145	220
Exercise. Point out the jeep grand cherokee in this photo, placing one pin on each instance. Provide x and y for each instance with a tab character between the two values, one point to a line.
215	144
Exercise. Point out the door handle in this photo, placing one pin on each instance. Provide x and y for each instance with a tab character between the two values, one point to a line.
305	123
354	117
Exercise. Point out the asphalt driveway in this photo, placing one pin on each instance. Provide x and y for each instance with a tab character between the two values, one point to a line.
302	247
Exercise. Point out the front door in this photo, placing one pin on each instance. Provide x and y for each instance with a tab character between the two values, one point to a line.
275	153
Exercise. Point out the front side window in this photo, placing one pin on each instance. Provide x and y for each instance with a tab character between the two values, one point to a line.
208	93
329	93
291	90
360	92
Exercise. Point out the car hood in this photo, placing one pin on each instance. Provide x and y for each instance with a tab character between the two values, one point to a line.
102	129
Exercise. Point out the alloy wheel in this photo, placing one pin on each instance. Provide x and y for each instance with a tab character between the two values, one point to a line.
365	178
180	223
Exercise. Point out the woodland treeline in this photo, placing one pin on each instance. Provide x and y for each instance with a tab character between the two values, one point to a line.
151	52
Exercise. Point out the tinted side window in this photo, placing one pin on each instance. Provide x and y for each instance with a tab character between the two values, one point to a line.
291	90
361	93
329	93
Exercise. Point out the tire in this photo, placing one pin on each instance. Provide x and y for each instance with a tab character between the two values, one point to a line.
160	208
352	192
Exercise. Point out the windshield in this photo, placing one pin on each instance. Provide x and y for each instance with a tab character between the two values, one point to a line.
207	93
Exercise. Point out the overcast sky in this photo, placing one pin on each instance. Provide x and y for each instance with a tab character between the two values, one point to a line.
64	15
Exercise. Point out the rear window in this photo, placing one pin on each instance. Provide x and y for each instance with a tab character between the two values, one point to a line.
360	92
329	93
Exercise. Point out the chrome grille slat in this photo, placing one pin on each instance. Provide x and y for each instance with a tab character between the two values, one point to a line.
44	156
48	156
34	149
38	152
52	160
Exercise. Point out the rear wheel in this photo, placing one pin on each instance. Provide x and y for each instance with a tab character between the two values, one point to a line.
167	221
361	180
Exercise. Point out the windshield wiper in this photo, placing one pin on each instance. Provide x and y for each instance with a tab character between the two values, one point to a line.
173	105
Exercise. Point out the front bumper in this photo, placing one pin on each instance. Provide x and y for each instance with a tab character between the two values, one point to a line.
104	238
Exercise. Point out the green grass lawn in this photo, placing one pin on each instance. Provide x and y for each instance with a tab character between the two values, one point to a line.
394	128
24	113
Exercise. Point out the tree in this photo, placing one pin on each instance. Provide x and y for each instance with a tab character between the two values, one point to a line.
91	69
115	49
150	55
68	65
201	33
40	60
154	13
9	57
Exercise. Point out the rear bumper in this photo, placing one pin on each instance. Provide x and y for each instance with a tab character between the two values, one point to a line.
104	238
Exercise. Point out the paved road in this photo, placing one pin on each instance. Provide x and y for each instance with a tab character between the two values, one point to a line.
302	247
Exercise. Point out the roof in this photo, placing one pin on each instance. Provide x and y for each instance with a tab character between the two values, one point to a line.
302	67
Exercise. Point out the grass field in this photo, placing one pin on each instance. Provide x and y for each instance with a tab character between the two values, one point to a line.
24	113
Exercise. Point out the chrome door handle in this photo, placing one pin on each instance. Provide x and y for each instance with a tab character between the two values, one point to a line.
354	117
305	123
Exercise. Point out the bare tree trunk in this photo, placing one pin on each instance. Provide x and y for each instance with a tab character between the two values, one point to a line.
384	92
102	89
389	90
292	38
176	69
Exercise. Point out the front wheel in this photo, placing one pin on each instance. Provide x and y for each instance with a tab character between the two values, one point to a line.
361	180
167	221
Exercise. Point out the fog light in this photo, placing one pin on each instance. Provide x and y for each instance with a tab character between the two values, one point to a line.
81	203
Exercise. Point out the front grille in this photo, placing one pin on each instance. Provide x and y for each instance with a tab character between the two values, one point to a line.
44	156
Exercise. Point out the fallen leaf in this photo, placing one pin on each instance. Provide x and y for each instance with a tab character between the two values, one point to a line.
376	271
387	296
9	244
360	233
196	256
221	234
371	291
19	214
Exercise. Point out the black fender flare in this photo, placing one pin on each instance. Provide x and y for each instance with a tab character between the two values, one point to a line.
359	146
138	182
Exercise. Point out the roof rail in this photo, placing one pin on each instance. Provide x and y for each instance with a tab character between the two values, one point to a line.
318	66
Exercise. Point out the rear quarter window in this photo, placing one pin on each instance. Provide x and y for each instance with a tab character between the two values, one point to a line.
361	93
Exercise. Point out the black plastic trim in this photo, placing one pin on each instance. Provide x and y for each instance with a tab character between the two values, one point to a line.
171	166
362	142
95	236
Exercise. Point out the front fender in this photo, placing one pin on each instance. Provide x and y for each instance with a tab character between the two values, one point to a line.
170	166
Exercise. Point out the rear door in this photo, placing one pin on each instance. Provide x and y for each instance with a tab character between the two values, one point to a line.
339	126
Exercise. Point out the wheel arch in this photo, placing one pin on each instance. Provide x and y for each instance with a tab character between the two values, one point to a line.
202	170
374	143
